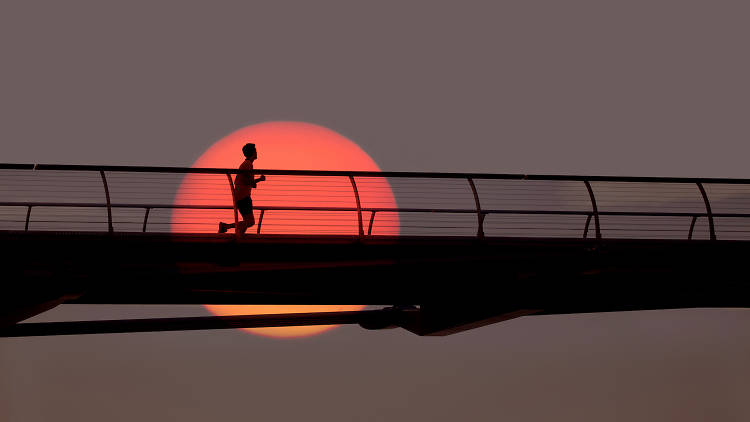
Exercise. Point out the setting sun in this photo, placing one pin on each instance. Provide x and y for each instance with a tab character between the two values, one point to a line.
287	146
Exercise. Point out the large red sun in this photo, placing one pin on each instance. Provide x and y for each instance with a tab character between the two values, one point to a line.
287	146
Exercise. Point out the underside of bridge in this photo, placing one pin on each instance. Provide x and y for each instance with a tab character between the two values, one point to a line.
430	286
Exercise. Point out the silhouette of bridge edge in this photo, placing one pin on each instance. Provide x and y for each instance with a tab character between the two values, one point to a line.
722	251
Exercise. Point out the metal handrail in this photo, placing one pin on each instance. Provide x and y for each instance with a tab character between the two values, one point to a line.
592	214
446	175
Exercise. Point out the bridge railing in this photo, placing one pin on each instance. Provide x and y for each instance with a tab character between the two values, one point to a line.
188	200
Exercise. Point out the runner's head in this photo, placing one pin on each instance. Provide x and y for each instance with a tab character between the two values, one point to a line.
249	151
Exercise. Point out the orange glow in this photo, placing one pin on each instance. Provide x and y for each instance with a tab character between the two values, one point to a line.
287	146
282	332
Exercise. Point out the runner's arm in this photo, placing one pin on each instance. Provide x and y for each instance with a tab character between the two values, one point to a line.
260	179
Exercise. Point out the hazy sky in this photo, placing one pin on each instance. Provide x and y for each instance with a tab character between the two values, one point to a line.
597	87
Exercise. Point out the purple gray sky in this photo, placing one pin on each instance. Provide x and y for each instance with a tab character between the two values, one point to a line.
653	88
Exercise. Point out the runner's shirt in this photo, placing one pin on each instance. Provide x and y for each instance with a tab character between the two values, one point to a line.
243	182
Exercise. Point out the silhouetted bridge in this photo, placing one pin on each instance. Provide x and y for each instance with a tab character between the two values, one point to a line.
451	251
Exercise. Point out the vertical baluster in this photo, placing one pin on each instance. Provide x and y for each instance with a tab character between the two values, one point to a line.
145	219
594	209
372	219
234	205
692	226
109	203
711	230
480	214
359	207
28	216
260	219
586	229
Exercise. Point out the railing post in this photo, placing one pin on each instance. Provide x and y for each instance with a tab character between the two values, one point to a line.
28	216
692	226
586	229
711	230
372	220
109	203
260	220
480	214
234	205
145	219
594	209
359	206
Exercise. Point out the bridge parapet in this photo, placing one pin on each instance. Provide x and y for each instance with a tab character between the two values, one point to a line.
188	200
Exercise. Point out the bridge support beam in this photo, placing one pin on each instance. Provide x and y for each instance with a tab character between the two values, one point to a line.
446	319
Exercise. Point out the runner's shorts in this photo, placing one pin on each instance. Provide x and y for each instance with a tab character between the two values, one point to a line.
245	207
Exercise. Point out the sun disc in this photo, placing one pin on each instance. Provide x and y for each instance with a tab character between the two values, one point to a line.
287	145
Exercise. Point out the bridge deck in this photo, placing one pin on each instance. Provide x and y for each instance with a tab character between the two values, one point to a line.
503	244
560	274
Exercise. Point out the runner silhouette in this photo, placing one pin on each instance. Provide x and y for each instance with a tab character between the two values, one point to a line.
243	184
